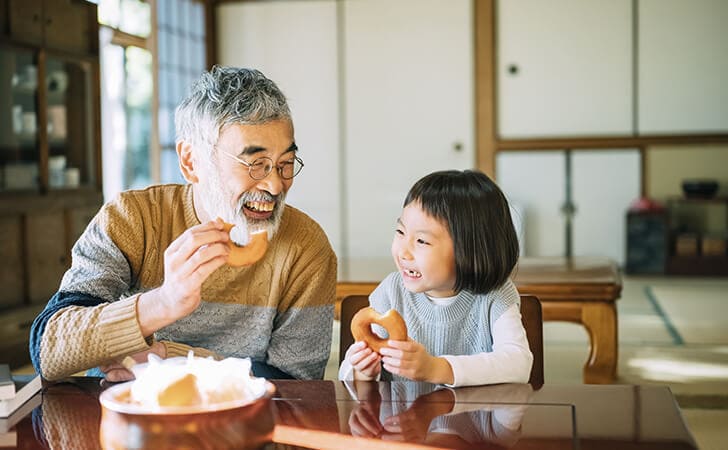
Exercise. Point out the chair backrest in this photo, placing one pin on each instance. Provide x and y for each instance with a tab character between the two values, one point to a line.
530	315
533	323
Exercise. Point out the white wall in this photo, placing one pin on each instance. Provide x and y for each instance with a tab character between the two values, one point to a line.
295	44
382	94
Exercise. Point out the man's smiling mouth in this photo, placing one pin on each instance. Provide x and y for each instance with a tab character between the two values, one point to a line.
259	206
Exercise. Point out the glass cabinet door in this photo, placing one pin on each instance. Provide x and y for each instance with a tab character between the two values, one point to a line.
71	160
19	155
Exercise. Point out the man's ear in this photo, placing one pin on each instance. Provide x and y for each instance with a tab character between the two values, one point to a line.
186	161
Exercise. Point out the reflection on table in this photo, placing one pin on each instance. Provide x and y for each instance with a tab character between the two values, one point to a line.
327	414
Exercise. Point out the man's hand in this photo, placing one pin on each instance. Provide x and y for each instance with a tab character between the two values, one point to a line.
117	371
188	262
365	361
409	359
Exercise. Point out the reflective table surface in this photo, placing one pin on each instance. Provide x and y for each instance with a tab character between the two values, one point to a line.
348	415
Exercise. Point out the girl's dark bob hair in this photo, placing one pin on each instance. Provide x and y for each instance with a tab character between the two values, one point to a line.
477	215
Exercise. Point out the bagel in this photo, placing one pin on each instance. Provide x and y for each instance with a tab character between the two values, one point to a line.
246	255
181	392
391	321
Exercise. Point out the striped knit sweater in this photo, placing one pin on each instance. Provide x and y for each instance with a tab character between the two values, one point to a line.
278	311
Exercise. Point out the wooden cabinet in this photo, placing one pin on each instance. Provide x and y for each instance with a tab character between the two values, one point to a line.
11	250
564	68
698	236
50	150
66	25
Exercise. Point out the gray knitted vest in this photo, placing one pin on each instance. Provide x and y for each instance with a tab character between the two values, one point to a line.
460	328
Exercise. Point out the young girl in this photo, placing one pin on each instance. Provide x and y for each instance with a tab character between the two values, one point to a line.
455	248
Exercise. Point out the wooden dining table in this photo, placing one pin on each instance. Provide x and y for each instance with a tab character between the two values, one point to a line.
580	289
372	415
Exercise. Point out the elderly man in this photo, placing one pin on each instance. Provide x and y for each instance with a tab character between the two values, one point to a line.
149	274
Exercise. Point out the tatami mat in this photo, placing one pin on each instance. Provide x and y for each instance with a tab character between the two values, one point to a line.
633	329
696	314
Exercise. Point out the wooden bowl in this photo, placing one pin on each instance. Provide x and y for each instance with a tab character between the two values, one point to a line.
235	424
699	188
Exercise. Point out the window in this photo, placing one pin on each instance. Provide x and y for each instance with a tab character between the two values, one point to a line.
145	43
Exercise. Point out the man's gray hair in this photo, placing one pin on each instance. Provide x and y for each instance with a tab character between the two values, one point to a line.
225	96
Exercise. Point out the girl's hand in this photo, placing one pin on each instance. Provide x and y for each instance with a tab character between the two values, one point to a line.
365	361
409	359
364	420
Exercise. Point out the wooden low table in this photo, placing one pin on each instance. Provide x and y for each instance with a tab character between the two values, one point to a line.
582	290
579	289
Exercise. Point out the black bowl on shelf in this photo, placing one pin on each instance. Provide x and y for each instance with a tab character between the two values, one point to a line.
699	188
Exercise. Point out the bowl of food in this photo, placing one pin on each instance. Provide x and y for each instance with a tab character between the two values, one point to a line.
188	403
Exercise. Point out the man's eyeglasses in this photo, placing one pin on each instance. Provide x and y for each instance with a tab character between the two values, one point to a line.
263	166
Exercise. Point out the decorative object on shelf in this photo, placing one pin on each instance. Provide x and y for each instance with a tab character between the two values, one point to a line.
29	123
72	177
713	244
57	81
699	188
57	122
20	175
646	204
56	171
686	244
17	119
28	77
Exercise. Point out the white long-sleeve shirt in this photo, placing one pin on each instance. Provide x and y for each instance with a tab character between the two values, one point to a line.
491	338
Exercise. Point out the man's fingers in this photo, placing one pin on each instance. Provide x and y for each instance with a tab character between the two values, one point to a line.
117	375
195	240
201	264
182	238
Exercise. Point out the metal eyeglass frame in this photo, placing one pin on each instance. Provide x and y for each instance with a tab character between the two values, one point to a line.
270	166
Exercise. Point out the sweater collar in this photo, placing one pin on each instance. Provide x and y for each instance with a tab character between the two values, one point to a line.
454	311
189	206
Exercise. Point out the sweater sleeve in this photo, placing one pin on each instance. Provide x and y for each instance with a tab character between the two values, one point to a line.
300	342
86	324
509	362
76	338
173	349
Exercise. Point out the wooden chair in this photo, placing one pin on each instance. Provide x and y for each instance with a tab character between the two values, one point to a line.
530	315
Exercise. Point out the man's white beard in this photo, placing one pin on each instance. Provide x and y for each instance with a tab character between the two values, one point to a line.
217	204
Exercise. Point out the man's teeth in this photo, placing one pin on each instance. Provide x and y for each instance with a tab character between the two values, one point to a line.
260	206
413	273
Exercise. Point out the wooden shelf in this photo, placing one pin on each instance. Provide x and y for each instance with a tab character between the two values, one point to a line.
717	199
697	265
